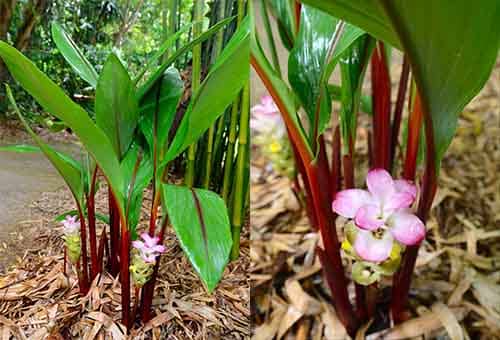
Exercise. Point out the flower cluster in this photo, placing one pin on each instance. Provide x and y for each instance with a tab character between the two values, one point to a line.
269	133
144	258
71	228
381	222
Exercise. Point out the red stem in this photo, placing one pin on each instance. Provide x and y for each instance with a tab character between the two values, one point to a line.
149	287
414	127
336	163
94	266
381	88
125	274
402	279
103	242
297	8
398	109
83	238
114	231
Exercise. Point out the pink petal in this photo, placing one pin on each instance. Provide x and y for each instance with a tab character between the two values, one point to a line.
159	249
347	202
406	228
138	245
398	200
368	217
267	100
258	109
380	184
150	241
402	185
372	249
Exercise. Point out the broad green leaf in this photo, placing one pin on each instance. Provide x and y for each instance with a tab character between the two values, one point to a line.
167	63
201	222
116	107
353	64
452	47
368	15
68	168
309	63
55	101
161	100
73	55
222	84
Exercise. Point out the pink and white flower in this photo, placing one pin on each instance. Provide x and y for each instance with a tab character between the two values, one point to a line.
71	225
381	215
149	249
266	117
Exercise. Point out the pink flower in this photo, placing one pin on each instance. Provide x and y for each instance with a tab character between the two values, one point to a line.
266	117
381	215
70	224
149	249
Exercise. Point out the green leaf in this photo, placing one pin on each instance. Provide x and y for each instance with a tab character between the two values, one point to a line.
73	55
452	47
353	65
278	85
162	101
368	15
162	50
365	99
116	107
21	148
285	18
309	63
68	168
167	63
201	222
137	169
55	101
222	84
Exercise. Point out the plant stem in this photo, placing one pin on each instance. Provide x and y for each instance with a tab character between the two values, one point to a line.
398	109
403	277
94	266
114	230
195	84
270	37
332	263
125	273
148	289
238	208
336	163
381	88
414	127
83	238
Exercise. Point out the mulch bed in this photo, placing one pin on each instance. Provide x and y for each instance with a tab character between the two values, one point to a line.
456	286
38	301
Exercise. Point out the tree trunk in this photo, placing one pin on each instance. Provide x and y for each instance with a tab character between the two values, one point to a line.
31	14
6	10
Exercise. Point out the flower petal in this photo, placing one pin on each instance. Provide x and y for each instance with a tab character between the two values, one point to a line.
402	185
138	245
150	241
368	217
373	249
347	202
398	200
159	249
380	184
406	228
